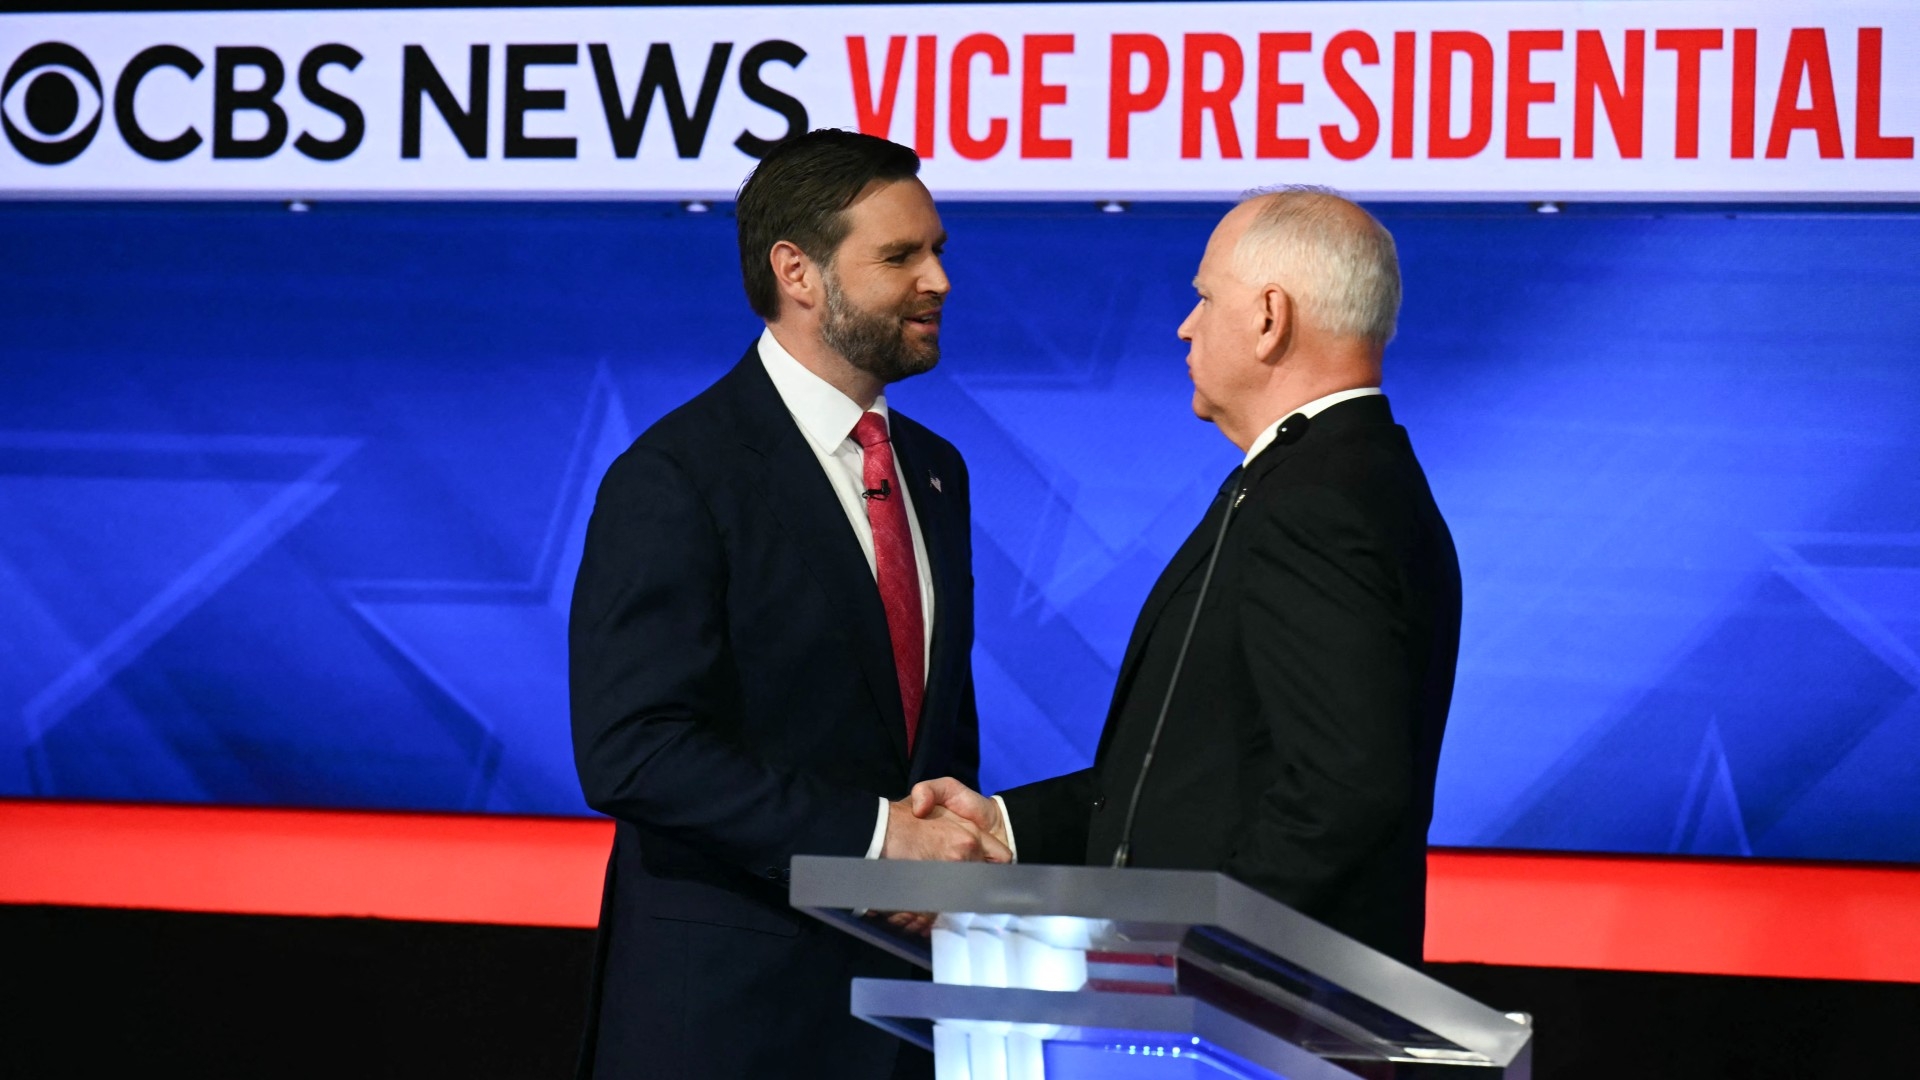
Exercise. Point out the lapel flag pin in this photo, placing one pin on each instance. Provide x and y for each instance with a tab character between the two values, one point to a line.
933	481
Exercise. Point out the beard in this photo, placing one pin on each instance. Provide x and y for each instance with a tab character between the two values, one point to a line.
876	342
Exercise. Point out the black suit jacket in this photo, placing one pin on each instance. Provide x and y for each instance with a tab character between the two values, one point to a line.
1300	751
734	705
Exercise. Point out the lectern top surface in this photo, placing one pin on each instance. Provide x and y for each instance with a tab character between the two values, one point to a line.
1226	943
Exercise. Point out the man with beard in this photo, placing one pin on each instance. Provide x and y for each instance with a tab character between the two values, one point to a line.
769	642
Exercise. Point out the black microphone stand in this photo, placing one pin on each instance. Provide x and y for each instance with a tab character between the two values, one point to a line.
1123	855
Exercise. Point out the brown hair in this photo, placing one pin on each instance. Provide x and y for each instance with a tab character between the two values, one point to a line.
800	193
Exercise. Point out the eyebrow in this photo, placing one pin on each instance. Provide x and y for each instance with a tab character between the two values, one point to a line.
908	247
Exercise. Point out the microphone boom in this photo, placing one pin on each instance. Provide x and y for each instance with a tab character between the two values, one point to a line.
1123	854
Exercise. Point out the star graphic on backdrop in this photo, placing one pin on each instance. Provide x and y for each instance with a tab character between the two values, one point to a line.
499	648
1869	583
1710	821
1779	724
127	535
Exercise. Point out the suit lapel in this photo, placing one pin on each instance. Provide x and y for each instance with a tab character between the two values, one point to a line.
931	509
1192	555
803	499
1186	561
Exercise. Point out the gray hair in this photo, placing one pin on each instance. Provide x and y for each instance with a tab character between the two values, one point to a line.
1336	259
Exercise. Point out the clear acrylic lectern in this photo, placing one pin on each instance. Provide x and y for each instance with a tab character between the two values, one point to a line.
1066	972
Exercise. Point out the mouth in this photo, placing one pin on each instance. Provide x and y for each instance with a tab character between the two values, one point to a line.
928	321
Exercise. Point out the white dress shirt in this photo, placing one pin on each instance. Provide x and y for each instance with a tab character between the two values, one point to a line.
826	417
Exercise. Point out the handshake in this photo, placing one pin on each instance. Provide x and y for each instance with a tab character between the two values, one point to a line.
946	820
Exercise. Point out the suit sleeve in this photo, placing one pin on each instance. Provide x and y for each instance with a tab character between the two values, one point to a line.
649	670
967	736
1325	643
1051	818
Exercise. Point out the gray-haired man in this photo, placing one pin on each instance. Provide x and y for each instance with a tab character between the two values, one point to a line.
1301	739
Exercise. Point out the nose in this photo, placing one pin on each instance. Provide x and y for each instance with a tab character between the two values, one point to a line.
934	279
1185	330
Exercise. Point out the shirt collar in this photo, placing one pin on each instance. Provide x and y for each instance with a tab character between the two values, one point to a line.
1310	410
825	415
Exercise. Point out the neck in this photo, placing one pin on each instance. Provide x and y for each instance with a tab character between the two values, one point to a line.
1297	381
807	346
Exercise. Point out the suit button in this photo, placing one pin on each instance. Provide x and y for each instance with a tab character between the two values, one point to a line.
1099	803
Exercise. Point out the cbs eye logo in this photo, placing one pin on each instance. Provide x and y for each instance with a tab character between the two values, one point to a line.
51	103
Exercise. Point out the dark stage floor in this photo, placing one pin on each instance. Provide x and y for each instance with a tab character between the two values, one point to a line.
96	992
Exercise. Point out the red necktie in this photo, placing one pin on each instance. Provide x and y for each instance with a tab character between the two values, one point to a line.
894	565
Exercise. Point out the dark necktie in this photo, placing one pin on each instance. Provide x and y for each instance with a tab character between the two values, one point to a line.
894	565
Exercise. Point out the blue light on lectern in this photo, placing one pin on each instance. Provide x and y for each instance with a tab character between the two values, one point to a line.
1148	1058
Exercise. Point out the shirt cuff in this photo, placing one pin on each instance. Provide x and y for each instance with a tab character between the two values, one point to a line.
879	843
1006	822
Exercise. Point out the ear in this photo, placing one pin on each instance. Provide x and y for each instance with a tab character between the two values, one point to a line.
1276	315
796	274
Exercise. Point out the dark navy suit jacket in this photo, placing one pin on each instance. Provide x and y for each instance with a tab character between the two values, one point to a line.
734	705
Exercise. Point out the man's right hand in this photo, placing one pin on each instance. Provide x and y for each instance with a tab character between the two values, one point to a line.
941	835
951	796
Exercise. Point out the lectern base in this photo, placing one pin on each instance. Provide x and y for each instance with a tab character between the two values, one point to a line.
994	1033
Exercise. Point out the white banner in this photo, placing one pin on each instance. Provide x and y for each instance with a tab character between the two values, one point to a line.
1638	99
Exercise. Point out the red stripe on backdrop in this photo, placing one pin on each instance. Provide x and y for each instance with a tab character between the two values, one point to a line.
1725	917
437	867
1712	916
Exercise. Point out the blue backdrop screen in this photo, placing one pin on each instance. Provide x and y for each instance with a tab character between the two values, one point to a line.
290	503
